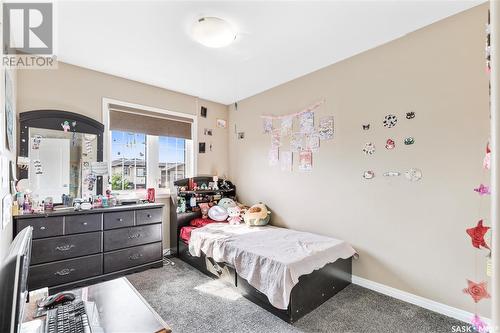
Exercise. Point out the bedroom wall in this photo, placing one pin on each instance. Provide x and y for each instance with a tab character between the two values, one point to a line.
410	236
6	232
81	90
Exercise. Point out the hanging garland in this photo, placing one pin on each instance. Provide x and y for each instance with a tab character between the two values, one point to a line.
479	290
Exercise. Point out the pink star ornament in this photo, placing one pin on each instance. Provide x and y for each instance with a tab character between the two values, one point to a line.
483	190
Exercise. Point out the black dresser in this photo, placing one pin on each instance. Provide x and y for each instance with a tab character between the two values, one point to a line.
72	249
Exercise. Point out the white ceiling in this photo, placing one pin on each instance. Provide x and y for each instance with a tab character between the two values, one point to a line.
148	41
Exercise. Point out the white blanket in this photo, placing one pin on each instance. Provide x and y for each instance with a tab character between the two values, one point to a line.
271	259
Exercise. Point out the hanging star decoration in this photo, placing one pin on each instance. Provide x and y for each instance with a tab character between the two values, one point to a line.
477	235
487	157
477	290
483	190
478	324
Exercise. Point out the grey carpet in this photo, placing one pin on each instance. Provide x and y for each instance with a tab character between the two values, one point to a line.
192	302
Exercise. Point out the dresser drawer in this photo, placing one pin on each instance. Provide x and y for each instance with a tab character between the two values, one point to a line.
118	219
134	256
65	247
127	237
146	216
60	272
74	224
42	226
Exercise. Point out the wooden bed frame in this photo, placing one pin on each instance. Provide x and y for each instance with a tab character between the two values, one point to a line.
312	290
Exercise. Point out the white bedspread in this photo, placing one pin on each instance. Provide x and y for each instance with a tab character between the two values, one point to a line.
271	259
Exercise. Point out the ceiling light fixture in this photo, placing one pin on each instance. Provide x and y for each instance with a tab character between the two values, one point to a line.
213	32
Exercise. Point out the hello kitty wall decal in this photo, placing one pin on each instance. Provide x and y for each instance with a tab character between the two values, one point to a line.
389	122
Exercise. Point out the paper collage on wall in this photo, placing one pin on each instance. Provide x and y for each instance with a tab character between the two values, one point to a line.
273	157
305	160
325	129
286	161
304	141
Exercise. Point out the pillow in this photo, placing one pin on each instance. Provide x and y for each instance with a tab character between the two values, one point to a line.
257	215
218	213
186	233
226	203
200	222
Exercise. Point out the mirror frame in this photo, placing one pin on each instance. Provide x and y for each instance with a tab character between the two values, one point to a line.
52	119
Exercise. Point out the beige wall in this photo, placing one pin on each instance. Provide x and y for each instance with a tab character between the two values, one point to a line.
81	90
410	236
6	233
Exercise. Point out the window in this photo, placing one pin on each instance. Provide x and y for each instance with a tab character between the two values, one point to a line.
172	160
128	156
149	147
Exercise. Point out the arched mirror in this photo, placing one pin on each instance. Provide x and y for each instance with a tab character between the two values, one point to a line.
60	148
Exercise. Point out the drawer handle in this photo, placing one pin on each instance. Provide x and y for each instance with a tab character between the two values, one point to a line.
42	228
84	223
149	216
135	256
120	219
65	247
137	235
64	271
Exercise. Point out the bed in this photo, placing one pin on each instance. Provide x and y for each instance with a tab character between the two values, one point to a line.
287	272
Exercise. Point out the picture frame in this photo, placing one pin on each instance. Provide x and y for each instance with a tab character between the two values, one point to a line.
221	123
201	147
203	112
10	111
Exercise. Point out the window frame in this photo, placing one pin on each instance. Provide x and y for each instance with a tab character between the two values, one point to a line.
191	167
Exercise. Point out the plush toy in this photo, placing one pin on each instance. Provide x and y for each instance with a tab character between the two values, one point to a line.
257	215
234	215
226	203
217	213
204	210
65	126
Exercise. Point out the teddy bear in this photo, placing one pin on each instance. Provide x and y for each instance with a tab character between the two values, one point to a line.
234	215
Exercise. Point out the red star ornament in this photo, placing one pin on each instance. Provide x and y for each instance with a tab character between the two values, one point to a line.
477	291
477	235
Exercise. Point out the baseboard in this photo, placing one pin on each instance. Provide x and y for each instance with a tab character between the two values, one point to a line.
425	303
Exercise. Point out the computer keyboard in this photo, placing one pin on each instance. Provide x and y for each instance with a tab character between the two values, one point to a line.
69	317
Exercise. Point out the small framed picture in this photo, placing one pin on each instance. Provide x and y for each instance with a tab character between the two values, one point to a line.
201	147
221	123
203	112
208	131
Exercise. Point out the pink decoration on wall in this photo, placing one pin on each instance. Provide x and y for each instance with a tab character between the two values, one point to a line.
477	290
477	235
487	157
478	324
487	161
483	190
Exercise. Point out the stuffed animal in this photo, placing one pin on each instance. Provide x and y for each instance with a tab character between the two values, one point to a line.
65	126
226	203
204	210
234	215
217	213
257	215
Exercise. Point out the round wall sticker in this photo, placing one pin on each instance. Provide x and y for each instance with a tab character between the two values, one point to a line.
369	148
413	174
409	141
390	121
368	174
390	144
